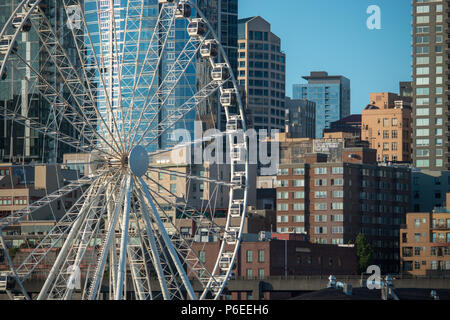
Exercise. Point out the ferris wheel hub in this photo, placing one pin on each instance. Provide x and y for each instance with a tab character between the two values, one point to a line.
138	161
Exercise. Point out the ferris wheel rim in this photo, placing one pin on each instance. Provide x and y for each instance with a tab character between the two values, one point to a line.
213	280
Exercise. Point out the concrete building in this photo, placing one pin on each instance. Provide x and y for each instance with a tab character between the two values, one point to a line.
386	124
262	74
425	242
431	140
301	118
332	193
331	95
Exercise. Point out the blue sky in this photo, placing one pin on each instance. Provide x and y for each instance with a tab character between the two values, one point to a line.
332	35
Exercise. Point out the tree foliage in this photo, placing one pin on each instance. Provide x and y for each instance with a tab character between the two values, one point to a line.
364	253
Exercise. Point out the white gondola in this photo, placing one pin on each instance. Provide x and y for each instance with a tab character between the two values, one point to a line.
232	235
17	22
220	72
209	49
41	4
165	1
183	11
196	28
237	153
5	43
228	98
225	261
234	123
238	180
4	73
6	282
237	208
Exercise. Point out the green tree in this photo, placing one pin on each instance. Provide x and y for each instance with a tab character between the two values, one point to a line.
364	253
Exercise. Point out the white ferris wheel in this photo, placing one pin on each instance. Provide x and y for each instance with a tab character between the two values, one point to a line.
105	79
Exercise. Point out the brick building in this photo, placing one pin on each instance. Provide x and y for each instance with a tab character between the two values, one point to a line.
333	193
425	242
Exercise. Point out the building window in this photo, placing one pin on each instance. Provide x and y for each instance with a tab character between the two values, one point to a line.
249	256
261	256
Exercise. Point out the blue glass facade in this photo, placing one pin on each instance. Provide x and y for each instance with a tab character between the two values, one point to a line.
332	98
135	95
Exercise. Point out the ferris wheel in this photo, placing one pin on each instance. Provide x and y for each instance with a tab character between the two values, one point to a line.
102	81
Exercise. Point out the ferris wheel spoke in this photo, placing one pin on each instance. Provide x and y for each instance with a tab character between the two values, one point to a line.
104	66
137	249
57	233
155	253
152	61
107	242
185	250
84	98
19	215
168	244
59	105
169	83
170	284
177	114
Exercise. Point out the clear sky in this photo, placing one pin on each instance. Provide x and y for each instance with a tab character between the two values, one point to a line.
331	35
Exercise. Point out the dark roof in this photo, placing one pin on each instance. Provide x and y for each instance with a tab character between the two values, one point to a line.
351	118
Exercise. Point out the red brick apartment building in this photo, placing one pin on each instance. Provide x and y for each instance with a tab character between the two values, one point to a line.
333	193
425	242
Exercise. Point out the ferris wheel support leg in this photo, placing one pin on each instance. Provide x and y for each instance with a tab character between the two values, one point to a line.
98	277
154	249
170	248
8	259
124	240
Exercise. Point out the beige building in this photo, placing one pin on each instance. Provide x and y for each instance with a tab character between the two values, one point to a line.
386	124
425	242
262	73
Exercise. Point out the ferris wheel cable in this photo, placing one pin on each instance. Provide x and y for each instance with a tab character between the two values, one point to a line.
187	107
200	214
74	142
150	46
95	58
63	252
99	271
90	232
157	30
170	277
183	61
154	251
124	239
86	91
189	176
185	250
168	243
54	236
138	261
18	215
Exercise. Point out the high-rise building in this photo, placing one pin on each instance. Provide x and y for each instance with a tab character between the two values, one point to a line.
430	84
19	142
262	73
331	95
386	124
300	118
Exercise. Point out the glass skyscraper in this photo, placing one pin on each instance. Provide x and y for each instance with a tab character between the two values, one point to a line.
136	34
331	95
